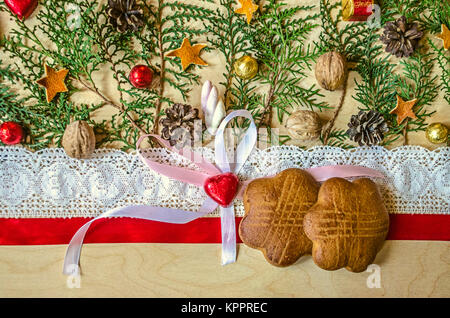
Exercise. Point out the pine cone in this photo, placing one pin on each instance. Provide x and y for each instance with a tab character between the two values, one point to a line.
125	15
178	125
401	38
367	128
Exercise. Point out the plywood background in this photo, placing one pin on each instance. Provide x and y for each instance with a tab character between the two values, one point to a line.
407	268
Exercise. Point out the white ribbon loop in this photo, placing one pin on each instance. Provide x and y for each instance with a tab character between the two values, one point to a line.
228	228
243	150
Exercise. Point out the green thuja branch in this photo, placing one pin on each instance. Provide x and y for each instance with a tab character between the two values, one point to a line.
231	35
349	39
377	88
419	83
391	9
82	51
171	27
443	60
337	138
431	15
44	121
285	59
380	84
435	14
276	37
85	52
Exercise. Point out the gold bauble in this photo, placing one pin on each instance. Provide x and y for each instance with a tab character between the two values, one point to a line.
348	9
437	133
331	70
246	67
304	125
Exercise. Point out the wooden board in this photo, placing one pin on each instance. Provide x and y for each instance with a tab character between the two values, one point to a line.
407	268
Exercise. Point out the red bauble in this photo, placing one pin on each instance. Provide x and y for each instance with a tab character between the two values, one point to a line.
11	133
22	8
141	76
222	188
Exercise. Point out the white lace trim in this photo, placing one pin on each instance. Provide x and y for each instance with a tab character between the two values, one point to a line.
48	183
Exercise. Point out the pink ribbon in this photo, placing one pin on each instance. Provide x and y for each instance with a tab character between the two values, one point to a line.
198	178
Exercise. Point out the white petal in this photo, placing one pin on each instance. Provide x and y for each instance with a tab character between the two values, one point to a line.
211	104
217	117
206	89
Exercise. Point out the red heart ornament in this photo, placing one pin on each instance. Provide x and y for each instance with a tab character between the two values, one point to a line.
222	188
22	8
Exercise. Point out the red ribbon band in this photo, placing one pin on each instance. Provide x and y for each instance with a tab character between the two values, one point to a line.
46	231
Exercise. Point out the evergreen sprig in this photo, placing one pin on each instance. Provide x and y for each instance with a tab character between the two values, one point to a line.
443	61
337	138
231	36
381	82
92	46
348	38
280	35
430	14
352	40
44	122
419	83
380	86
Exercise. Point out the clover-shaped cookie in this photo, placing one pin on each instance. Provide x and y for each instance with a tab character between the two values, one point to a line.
274	212
347	225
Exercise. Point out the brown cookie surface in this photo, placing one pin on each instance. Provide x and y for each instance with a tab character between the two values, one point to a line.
347	225
274	212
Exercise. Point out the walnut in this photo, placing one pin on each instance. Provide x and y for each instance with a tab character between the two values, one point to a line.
304	125
331	70
79	140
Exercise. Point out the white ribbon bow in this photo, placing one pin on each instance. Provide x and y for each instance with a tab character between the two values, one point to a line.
177	216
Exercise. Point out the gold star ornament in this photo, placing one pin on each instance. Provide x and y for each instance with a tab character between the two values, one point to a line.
188	54
404	109
53	81
445	36
247	8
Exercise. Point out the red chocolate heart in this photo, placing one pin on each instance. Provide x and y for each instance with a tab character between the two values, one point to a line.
222	188
22	8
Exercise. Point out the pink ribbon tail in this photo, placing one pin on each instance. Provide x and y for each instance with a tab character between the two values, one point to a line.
186	175
343	171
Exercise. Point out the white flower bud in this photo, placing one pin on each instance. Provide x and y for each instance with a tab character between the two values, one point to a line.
206	89
216	119
211	105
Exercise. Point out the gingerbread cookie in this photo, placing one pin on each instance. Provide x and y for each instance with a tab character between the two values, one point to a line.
347	225
274	211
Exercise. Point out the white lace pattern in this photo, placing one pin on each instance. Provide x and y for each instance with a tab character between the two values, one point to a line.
47	183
